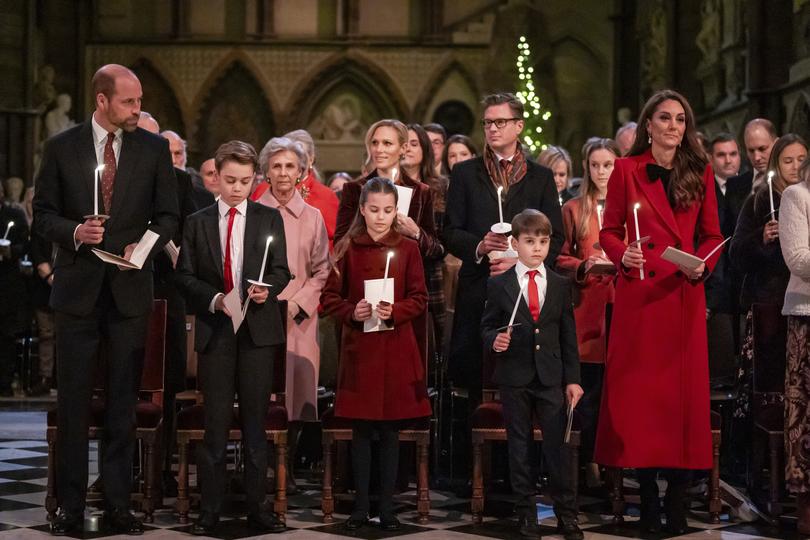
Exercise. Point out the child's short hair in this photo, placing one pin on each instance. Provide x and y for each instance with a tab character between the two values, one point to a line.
238	151
531	221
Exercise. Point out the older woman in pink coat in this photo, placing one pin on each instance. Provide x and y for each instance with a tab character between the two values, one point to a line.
283	162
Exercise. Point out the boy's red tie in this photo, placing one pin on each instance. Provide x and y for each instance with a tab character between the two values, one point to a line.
227	269
534	295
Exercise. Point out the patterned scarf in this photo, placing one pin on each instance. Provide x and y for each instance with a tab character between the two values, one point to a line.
511	174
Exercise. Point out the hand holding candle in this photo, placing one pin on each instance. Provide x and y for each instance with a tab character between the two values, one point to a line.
638	237
501	227
96	181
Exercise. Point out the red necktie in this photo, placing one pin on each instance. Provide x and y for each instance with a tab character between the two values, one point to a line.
108	175
227	274
534	295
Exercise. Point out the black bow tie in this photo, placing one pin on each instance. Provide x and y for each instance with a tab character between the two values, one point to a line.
657	172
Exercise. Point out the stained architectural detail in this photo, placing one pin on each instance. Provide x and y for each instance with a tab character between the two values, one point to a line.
652	30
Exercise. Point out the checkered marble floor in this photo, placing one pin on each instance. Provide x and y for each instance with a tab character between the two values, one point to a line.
23	471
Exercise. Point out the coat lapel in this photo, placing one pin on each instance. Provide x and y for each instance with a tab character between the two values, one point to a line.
212	235
250	268
86	152
124	172
549	300
657	198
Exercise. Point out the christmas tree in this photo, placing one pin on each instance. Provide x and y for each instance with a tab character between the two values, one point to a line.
534	115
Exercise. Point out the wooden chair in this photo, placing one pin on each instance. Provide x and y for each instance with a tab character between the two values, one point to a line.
488	425
335	429
191	428
770	349
149	420
616	479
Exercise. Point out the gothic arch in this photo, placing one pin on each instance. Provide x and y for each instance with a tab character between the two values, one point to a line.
439	76
159	97
353	72
800	119
234	105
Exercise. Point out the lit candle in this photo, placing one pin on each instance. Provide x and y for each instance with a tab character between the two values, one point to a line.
99	169
517	302
385	275
394	173
264	259
559	198
500	205
638	236
599	219
8	228
770	192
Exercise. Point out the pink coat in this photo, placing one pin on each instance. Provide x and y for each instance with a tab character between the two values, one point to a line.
308	259
655	401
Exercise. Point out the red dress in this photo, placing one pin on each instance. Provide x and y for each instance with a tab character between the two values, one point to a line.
593	291
314	194
655	402
381	375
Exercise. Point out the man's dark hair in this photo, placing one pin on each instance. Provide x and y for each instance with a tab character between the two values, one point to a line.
438	129
515	105
238	151
721	138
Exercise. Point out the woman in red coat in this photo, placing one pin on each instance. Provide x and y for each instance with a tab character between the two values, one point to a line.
655	401
591	271
381	378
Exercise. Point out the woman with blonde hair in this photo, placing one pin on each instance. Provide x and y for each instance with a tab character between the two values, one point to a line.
558	160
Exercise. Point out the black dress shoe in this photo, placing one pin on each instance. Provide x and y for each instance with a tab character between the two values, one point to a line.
205	524
355	522
569	529
123	522
528	527
66	523
390	523
266	521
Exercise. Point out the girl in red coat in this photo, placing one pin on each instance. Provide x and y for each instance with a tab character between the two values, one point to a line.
655	402
582	218
381	378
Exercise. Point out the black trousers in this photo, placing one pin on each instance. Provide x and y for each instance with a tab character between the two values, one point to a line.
547	404
234	364
588	407
78	340
362	433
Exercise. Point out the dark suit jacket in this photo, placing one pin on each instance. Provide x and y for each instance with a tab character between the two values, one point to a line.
546	348
187	206
471	209
143	198
738	188
200	277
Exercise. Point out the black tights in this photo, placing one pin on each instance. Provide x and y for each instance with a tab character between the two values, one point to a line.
362	432
676	478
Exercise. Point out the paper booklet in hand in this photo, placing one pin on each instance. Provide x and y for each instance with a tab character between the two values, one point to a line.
234	305
687	260
602	268
172	250
376	290
139	254
404	196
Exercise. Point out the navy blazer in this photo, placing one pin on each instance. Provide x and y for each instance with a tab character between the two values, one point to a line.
547	347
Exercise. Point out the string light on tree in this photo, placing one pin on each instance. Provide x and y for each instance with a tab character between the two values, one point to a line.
534	115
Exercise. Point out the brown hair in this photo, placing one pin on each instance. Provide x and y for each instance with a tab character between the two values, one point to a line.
588	190
238	151
438	129
427	174
500	98
456	139
552	154
399	127
779	183
686	182
804	171
358	226
531	221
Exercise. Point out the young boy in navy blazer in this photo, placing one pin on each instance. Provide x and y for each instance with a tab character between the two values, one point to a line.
536	369
223	246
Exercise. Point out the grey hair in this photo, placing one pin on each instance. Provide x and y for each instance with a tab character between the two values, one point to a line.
303	137
169	133
629	126
280	144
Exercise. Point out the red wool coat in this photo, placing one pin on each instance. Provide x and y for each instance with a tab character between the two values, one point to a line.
381	374
594	291
655	402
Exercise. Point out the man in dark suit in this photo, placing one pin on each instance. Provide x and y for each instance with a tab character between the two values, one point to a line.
94	301
759	136
472	209
223	247
536	369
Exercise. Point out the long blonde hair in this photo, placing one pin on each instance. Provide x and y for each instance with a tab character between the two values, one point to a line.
588	190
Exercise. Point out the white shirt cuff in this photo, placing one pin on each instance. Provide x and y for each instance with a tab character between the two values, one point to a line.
76	243
478	258
212	307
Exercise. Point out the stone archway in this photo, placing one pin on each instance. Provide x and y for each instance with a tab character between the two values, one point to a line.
159	98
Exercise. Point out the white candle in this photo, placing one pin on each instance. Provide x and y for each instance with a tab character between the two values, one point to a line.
264	259
500	205
559	198
638	236
385	275
770	192
8	228
599	219
99	169
519	296
394	173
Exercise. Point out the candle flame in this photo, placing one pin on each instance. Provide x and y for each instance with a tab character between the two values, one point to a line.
10	224
636	206
270	238
390	255
100	168
771	174
394	174
500	190
599	207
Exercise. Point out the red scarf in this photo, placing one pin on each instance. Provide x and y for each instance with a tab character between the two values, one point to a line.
507	176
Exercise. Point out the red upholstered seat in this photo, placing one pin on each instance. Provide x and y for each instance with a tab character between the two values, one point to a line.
276	419
488	415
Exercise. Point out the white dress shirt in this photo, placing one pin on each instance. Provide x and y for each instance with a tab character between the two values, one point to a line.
721	183
541	279
237	243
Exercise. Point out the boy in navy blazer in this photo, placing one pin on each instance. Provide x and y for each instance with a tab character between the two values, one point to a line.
536	369
223	247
